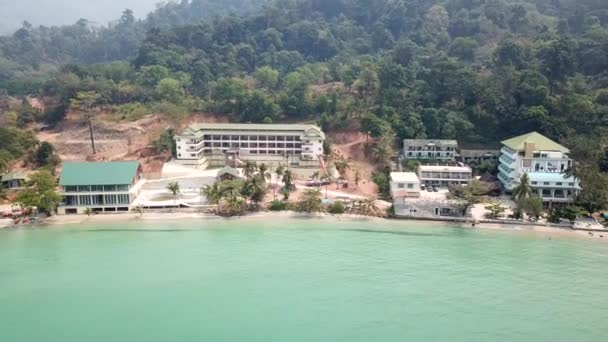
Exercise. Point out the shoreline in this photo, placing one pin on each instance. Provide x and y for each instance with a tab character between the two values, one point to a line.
151	217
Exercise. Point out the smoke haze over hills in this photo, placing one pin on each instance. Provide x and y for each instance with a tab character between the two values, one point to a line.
60	12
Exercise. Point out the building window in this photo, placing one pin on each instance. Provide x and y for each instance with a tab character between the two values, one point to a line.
85	200
558	184
546	183
544	155
401	185
546	192
571	184
534	182
410	186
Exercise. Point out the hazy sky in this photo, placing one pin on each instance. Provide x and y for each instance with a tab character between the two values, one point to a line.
57	12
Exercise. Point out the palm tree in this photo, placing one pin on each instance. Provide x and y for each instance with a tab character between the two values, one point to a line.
263	170
250	168
234	204
279	172
523	189
342	165
173	187
213	193
383	151
368	206
287	183
3	163
255	189
357	177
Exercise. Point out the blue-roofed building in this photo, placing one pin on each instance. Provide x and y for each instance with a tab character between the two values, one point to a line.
545	162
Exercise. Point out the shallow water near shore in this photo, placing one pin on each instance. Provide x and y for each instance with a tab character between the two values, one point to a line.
298	280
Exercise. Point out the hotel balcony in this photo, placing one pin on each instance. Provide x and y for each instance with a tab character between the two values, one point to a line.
506	170
504	159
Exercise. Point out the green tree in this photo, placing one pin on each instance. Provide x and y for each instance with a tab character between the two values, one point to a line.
531	206
171	90
383	150
40	193
255	189
495	209
337	207
558	61
287	183
212	192
523	189
310	201
173	188
469	195
45	154
368	207
250	168
342	165
266	77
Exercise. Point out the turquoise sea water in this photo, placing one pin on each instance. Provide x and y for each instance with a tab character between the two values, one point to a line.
299	280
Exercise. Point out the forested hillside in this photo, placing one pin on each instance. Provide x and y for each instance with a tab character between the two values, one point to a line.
475	70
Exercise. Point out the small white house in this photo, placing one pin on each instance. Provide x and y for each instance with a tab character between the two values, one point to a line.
404	185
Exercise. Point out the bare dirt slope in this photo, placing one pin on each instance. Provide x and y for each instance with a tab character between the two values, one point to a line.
352	144
115	140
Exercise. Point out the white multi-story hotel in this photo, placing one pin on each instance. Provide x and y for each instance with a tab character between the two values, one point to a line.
545	162
220	144
444	176
430	149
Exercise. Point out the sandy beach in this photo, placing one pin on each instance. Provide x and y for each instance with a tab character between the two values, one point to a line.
285	215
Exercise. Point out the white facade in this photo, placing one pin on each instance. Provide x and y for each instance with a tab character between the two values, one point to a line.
404	184
444	176
434	149
544	161
214	144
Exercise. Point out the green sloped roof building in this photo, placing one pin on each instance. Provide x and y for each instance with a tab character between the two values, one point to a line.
98	173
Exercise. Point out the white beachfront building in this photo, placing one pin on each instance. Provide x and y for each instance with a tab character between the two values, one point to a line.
433	149
211	144
99	186
444	176
545	162
404	185
410	201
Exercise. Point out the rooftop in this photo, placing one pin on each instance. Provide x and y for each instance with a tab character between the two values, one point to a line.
404	177
228	170
549	177
444	168
194	128
541	143
13	176
98	173
440	142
